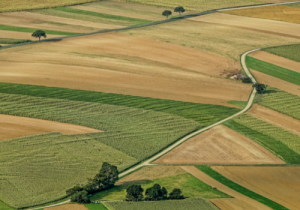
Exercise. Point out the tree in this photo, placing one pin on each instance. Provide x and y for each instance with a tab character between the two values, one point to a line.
74	190
107	176
167	13
134	193
156	193
39	34
80	197
179	9
260	88
247	80
176	194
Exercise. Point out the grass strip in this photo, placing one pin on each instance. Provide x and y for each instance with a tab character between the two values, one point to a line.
102	15
227	182
273	70
31	30
274	146
204	114
291	52
238	103
3	206
95	206
13	41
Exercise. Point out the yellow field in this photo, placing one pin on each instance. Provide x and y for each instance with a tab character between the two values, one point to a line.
278	12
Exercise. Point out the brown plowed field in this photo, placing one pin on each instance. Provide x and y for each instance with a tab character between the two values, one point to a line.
20	35
280	184
256	24
214	183
276	60
232	204
219	145
68	207
275	82
276	118
14	127
277	12
123	64
150	173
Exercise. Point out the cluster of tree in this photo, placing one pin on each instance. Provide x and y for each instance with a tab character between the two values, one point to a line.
247	80
179	9
155	193
105	179
260	88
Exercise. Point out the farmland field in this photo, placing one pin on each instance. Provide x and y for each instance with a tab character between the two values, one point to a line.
289	51
191	204
219	145
280	184
68	207
232	204
95	207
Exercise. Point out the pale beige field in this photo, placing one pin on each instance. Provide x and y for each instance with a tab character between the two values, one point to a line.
219	145
123	64
21	35
232	204
15	127
214	183
150	173
280	184
276	118
256	24
276	60
275	82
226	40
68	207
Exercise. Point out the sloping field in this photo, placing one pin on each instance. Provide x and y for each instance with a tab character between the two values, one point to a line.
277	12
276	118
232	204
124	64
14	127
219	145
225	40
280	184
255	24
68	207
276	60
291	52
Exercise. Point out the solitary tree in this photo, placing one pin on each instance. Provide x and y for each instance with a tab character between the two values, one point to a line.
179	9
39	34
80	197
260	88
134	193
156	193
167	13
176	194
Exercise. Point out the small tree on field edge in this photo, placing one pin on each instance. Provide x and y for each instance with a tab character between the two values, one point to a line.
260	88
167	13
179	9
80	197
39	34
156	193
134	193
176	194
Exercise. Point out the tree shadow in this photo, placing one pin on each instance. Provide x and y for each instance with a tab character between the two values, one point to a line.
270	91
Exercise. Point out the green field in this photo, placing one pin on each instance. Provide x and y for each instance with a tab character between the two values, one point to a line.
238	103
5	207
288	51
191	187
95	207
205	114
273	70
31	30
13	41
220	178
188	204
281	101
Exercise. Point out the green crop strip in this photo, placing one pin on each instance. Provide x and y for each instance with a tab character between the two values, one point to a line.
204	114
273	70
102	15
31	30
227	182
13	41
5	207
273	145
95	207
291	52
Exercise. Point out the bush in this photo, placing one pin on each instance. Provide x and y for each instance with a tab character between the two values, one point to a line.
80	197
134	193
247	80
176	194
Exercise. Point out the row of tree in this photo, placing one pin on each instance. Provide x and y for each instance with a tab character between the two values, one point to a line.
105	179
155	193
179	9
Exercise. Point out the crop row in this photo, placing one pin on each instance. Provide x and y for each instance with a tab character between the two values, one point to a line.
287	51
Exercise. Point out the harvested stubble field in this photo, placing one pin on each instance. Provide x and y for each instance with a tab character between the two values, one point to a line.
143	132
219	145
68	207
21	35
277	12
130	65
190	204
280	184
225	40
14	127
232	204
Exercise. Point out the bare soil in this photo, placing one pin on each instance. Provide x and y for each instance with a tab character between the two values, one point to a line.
68	207
15	127
219	145
280	184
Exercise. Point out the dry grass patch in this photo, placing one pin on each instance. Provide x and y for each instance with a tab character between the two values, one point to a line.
15	127
232	204
280	184
123	64
277	12
68	207
219	145
276	60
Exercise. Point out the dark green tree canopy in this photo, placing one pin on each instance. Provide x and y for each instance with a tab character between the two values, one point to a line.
39	34
80	197
260	88
176	194
179	9
134	193
156	193
167	13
